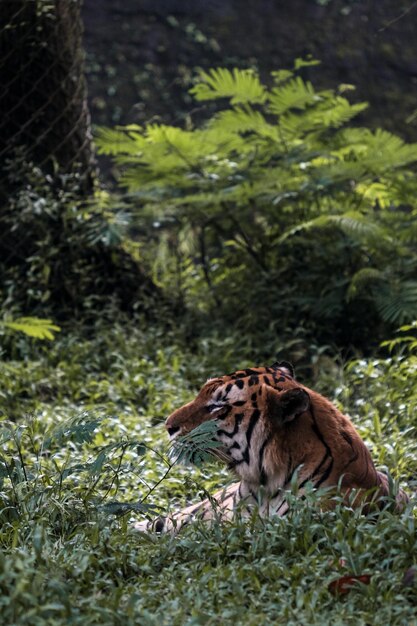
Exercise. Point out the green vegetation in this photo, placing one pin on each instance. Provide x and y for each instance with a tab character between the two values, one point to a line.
62	256
31	326
275	227
86	452
270	195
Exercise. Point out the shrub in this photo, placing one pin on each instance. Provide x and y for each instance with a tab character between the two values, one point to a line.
61	255
277	211
88	445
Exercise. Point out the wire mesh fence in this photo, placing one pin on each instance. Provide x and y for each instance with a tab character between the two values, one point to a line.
43	104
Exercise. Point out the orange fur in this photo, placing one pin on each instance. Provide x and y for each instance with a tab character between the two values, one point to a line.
274	431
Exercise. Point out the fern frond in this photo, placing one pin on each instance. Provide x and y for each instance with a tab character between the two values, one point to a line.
281	76
379	193
244	120
294	94
386	152
79	429
239	85
334	113
255	132
397	302
409	234
364	278
126	140
352	223
333	172
329	112
357	226
33	327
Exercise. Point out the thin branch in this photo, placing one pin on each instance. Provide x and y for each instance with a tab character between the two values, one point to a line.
398	18
157	483
248	244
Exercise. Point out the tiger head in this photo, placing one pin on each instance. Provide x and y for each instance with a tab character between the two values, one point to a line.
272	430
250	407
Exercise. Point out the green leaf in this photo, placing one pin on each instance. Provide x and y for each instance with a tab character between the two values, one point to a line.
295	94
239	85
397	301
281	76
33	327
364	278
127	139
197	446
308	62
273	162
352	223
80	429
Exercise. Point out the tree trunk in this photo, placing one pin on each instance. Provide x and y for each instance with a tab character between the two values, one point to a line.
53	260
42	87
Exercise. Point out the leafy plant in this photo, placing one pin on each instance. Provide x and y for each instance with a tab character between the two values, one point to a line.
60	476
197	446
245	211
86	454
33	327
60	254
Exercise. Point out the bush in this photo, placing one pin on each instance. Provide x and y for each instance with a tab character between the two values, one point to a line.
277	212
61	255
88	452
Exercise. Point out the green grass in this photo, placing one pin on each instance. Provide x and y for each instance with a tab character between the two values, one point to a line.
87	432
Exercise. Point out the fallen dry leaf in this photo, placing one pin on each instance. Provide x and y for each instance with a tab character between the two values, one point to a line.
344	584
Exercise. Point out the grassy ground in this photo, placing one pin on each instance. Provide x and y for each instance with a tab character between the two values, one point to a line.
82	439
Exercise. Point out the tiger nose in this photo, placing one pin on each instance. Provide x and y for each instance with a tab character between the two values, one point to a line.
172	430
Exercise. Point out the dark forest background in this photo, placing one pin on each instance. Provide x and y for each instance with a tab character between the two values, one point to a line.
142	56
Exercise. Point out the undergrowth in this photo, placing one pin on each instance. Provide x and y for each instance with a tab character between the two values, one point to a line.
84	452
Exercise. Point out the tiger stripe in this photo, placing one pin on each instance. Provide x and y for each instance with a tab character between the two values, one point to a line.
274	431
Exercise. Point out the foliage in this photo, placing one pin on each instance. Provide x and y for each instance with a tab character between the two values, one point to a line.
60	255
245	211
88	453
390	408
196	447
32	326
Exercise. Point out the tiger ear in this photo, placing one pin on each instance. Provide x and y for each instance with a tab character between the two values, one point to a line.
285	366
285	406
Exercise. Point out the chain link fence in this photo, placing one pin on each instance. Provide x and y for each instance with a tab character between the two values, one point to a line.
43	105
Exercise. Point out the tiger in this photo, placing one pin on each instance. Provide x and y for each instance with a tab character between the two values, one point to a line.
273	431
